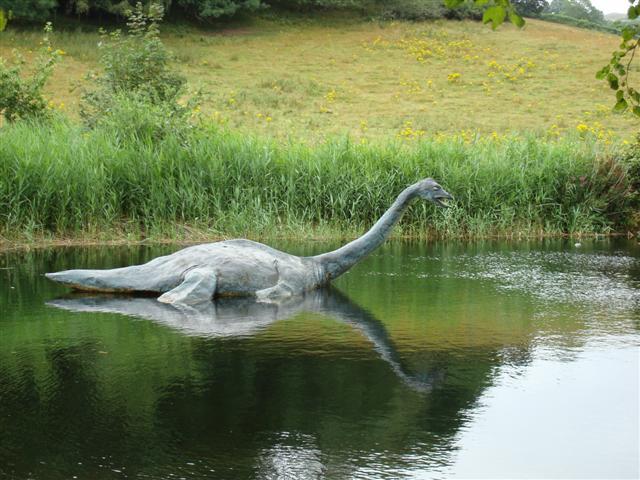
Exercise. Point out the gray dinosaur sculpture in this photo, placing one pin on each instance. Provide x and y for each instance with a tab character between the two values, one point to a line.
243	267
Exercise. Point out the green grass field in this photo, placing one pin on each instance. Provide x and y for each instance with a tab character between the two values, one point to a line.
313	79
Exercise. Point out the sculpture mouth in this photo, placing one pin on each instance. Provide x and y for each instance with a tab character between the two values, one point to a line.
443	200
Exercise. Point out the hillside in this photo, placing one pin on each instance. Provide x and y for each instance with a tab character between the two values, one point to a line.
310	79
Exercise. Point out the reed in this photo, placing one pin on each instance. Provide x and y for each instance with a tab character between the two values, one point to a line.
57	179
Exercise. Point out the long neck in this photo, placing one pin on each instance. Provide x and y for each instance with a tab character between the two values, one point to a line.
337	262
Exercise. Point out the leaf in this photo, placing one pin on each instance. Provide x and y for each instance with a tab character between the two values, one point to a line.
632	13
619	95
495	15
3	20
613	81
620	106
452	3
628	33
636	111
602	73
516	19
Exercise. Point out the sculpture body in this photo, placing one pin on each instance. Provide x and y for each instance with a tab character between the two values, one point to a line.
228	268
243	267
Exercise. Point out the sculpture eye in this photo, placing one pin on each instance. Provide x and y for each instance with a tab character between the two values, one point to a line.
436	187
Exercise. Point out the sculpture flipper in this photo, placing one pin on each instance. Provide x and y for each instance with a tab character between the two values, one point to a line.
199	286
278	291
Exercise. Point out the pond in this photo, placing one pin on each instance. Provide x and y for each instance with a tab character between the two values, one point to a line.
439	360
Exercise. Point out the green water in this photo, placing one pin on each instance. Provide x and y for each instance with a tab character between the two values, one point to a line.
479	360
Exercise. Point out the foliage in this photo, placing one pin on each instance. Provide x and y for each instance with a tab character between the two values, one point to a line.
632	160
465	11
139	61
579	9
305	5
43	9
136	77
412	9
33	10
494	14
4	18
530	8
617	72
208	9
581	23
21	95
212	9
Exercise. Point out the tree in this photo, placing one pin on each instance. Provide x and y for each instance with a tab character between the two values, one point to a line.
579	9
206	9
201	9
530	8
29	9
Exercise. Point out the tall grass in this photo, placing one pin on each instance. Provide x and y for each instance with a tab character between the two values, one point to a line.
58	179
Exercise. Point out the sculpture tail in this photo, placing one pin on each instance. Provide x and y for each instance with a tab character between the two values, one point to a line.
116	280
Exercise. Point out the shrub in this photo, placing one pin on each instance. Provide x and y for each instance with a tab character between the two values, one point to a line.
465	11
581	23
207	9
632	161
413	9
137	75
21	95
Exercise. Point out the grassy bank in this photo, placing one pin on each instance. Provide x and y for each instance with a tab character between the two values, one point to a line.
57	180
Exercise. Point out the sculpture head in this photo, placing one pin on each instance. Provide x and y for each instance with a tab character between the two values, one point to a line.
430	190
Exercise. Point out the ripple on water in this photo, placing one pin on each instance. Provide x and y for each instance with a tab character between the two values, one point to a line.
593	279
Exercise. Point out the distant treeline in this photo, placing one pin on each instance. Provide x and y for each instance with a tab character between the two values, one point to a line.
578	13
208	10
610	27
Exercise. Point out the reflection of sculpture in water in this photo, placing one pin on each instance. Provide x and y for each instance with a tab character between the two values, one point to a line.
234	317
245	268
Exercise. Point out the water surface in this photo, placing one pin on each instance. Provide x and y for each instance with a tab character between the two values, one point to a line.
447	360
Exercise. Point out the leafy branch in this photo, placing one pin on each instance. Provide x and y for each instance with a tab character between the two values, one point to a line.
617	72
494	14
